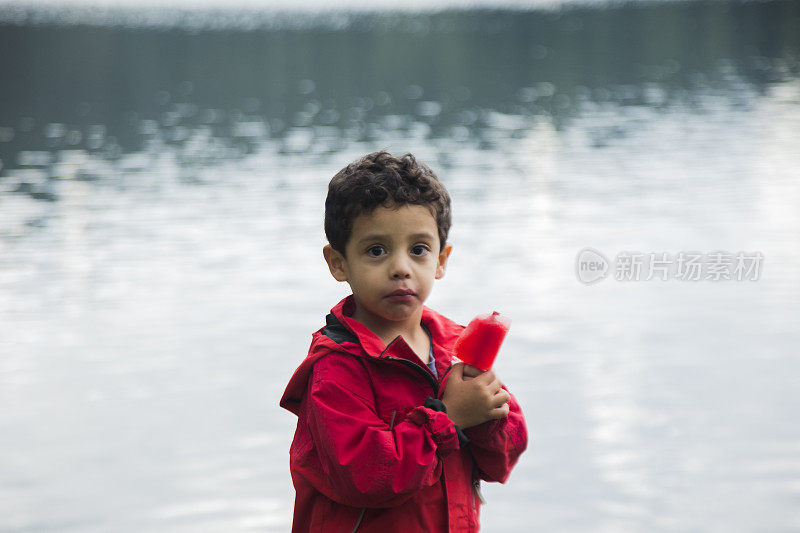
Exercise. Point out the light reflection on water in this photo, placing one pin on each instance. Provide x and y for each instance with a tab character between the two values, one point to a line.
152	312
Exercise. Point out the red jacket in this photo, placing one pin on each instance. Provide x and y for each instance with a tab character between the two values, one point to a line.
368	455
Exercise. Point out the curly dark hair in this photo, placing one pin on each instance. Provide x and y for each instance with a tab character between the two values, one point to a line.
379	179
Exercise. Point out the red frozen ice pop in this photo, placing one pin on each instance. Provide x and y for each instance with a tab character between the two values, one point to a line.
480	341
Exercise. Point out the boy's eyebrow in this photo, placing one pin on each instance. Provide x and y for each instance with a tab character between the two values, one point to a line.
383	236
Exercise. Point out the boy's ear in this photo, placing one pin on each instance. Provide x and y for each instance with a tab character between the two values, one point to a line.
442	260
336	263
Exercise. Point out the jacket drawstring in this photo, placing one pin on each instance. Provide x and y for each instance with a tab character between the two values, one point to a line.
476	486
360	517
364	510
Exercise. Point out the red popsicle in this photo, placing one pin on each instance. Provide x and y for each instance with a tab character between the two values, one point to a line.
480	341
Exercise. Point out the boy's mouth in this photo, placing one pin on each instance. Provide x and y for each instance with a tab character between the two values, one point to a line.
400	293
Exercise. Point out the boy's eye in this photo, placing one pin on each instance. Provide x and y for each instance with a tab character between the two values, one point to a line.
419	249
375	251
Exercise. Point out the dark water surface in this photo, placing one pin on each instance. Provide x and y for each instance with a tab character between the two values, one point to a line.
161	201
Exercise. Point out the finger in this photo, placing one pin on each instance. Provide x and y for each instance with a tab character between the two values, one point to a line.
486	377
495	386
501	398
457	371
495	377
499	412
472	372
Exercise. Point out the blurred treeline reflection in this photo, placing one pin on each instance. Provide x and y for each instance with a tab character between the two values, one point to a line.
59	82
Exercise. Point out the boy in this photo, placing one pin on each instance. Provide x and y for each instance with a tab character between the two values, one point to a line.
390	435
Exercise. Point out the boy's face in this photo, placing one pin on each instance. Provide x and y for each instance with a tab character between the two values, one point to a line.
390	250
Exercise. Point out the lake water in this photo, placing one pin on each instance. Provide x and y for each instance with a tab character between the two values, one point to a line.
161	202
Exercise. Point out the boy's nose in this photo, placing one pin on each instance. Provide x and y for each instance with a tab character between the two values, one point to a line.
401	269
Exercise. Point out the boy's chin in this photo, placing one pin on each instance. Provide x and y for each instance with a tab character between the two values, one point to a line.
396	312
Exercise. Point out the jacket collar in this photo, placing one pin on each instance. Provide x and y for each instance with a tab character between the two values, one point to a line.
443	334
343	311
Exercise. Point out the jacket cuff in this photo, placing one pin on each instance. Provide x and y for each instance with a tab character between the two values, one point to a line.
484	432
439	425
438	405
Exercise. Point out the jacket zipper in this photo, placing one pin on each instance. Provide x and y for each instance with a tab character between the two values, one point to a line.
425	373
434	385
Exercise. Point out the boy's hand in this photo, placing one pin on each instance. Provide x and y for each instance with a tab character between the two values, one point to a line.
471	371
474	400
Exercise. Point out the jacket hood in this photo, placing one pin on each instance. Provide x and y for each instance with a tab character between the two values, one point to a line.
342	333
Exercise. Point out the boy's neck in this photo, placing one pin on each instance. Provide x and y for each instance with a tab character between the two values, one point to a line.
387	330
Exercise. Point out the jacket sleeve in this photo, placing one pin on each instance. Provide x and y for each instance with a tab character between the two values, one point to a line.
364	461
496	445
